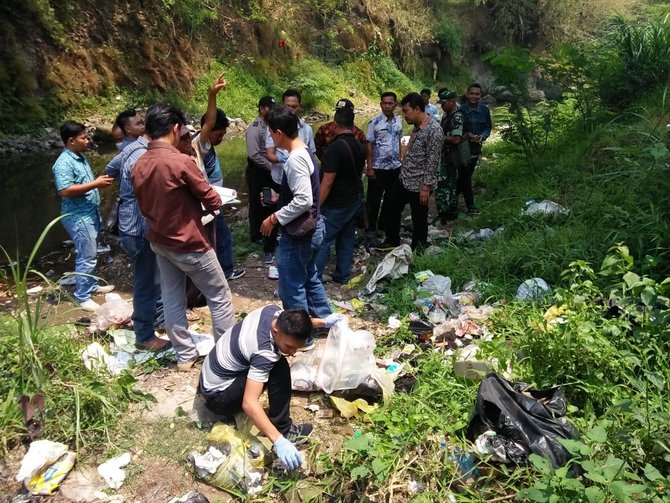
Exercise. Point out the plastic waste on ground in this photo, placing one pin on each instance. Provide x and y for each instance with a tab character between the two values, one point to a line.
44	466
114	312
83	484
347	358
233	460
500	449
531	418
191	497
394	323
304	368
547	209
112	470
352	409
394	265
533	289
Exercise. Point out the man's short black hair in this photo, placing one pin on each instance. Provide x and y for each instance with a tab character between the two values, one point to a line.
161	118
221	121
387	94
474	84
344	118
284	119
291	93
414	100
425	90
70	129
123	118
295	323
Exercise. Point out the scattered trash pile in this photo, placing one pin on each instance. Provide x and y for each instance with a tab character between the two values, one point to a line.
47	464
345	368
234	459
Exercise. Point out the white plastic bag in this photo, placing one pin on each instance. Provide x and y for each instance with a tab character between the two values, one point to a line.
114	312
348	358
304	370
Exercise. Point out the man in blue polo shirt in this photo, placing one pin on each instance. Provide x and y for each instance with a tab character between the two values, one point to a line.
80	205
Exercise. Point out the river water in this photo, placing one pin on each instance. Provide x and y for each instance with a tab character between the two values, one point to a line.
28	198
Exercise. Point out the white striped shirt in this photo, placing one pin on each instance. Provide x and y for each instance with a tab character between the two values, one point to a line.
246	348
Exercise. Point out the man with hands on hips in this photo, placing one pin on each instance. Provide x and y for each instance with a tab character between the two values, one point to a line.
250	358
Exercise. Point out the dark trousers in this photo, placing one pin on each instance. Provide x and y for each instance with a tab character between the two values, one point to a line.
378	188
400	197
229	401
224	244
464	182
257	178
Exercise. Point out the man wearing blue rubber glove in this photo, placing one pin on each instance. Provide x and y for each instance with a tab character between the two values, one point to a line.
251	357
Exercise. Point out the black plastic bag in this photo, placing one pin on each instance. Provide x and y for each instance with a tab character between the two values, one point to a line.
527	416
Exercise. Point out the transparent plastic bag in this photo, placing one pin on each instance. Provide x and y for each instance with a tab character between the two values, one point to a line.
348	358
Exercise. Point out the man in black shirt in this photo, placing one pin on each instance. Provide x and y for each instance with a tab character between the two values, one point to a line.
341	193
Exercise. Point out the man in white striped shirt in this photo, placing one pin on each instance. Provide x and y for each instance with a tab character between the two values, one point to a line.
248	358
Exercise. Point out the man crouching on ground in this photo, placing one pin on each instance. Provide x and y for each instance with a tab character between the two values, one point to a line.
250	358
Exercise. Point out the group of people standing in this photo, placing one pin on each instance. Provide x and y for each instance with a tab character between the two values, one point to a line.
305	196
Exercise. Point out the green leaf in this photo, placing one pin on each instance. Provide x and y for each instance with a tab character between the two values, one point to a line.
652	473
631	279
648	296
575	447
598	434
360	472
359	443
536	495
379	466
656	379
618	490
594	494
541	464
613	468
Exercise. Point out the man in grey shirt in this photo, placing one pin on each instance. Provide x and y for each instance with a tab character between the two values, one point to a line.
418	174
258	176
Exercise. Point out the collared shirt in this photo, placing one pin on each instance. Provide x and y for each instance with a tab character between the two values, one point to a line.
113	167
131	220
248	348
255	137
477	122
171	192
432	111
384	134
304	132
73	169
422	159
326	134
210	161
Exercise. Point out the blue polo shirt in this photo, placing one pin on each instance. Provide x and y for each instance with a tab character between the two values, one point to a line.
74	169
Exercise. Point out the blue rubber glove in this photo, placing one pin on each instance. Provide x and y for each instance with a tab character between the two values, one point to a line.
287	453
332	319
282	157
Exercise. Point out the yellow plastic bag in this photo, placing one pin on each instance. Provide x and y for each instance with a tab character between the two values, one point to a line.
236	458
351	409
44	466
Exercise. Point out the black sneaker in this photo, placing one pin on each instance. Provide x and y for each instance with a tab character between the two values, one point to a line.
236	274
268	258
299	433
473	211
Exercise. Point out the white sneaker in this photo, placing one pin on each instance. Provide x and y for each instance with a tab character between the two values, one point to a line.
89	305
104	289
273	272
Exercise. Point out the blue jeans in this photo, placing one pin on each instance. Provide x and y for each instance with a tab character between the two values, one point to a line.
147	304
224	244
299	284
205	271
84	234
340	228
